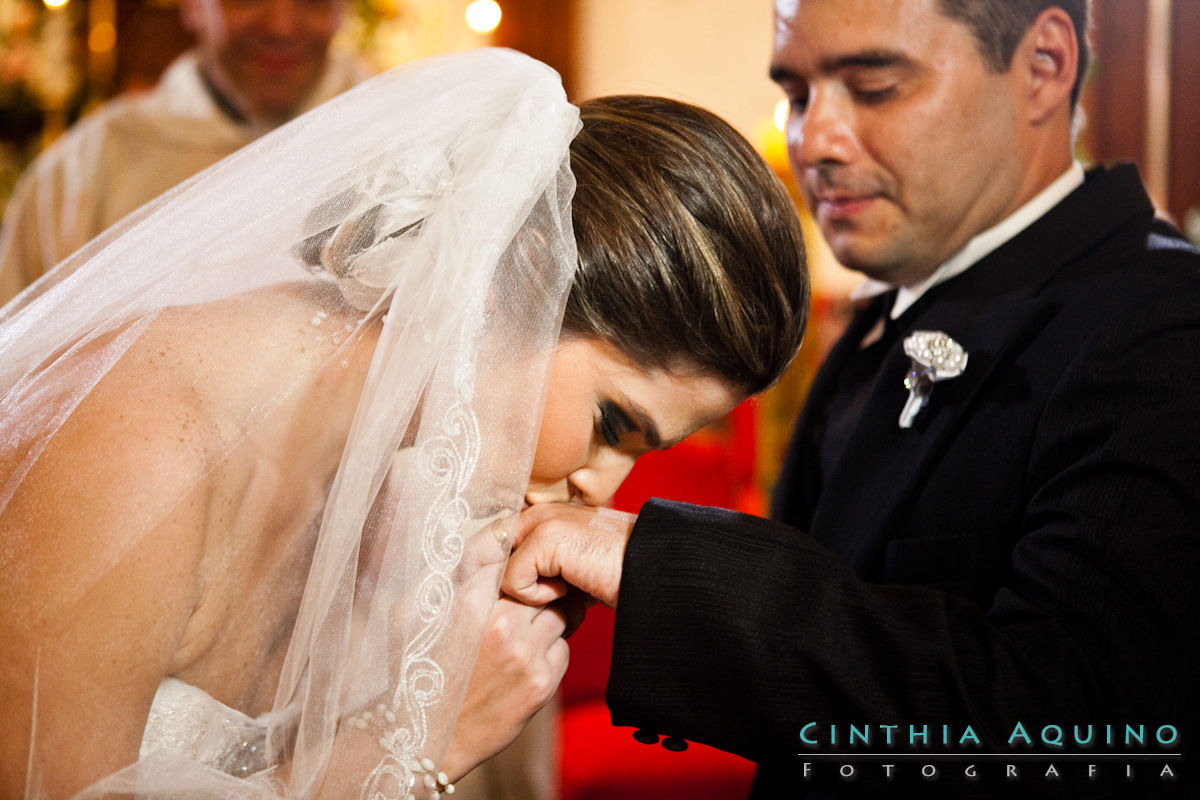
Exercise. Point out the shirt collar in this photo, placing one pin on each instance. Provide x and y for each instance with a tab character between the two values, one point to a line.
980	245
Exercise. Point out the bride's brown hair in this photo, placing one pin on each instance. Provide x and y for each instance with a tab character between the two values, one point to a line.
690	251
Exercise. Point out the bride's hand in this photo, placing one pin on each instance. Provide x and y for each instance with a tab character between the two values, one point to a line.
520	664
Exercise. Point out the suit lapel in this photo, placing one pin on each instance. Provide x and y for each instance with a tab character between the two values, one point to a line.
884	462
801	474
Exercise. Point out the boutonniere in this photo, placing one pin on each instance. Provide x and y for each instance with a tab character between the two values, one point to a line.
935	357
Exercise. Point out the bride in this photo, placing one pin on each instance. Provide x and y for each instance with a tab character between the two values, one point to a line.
262	445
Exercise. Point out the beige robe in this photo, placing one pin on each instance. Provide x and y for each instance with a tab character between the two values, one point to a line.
125	153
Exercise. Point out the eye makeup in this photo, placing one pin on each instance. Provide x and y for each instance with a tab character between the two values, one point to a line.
613	423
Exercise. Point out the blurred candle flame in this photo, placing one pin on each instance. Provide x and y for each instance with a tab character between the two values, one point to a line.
483	15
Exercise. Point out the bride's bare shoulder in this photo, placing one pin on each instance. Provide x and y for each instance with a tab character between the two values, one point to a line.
240	350
119	496
199	370
170	403
104	530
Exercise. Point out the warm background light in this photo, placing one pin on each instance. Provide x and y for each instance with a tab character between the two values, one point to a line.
781	114
55	3
483	15
102	37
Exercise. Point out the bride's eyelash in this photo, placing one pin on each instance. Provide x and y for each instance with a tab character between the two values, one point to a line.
612	423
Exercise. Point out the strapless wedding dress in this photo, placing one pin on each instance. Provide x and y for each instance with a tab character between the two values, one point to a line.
188	722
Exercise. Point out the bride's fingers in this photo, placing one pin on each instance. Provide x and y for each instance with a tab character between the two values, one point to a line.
546	622
557	658
573	608
550	622
521	662
562	617
491	544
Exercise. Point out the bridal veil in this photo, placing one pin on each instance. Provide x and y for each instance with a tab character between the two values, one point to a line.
430	205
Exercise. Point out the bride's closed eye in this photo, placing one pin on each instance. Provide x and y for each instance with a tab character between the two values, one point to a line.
613	423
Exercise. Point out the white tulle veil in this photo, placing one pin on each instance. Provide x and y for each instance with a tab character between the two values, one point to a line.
430	204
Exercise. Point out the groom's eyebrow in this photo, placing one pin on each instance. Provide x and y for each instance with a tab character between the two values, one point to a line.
865	59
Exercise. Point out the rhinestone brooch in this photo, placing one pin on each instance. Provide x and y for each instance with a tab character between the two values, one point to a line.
935	357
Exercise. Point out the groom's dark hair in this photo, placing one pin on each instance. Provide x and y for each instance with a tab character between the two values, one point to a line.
691	257
999	25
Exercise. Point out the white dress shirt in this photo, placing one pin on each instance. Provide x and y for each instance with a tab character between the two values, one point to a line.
979	245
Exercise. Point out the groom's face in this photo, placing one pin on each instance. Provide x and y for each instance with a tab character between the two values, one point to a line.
265	56
903	138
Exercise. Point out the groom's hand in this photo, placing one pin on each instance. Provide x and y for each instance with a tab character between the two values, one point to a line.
566	542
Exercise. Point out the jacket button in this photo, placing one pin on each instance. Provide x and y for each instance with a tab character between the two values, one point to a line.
675	744
645	737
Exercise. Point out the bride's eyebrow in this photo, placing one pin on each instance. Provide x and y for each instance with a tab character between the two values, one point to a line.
646	425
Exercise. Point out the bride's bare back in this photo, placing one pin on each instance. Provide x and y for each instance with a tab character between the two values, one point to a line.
170	560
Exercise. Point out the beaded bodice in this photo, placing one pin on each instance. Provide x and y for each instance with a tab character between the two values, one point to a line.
187	721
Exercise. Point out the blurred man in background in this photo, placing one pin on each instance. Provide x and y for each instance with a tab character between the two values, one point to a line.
256	64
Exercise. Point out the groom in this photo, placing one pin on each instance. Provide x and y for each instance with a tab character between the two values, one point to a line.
964	550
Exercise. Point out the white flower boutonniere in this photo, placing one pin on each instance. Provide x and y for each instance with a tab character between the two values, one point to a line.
935	357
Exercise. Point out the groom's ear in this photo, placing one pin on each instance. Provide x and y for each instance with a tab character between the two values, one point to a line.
1046	61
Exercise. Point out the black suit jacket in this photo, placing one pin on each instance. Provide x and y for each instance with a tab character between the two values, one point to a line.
1027	552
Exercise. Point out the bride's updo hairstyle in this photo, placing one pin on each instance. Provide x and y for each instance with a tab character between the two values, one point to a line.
691	257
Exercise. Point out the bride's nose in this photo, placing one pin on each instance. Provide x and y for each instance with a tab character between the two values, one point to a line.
596	483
